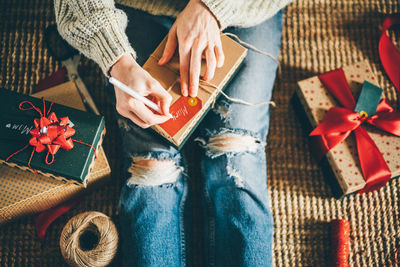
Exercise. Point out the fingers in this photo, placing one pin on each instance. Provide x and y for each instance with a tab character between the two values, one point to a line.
219	53
144	113
195	66
184	61
163	98
138	113
135	119
170	47
214	57
124	111
211	64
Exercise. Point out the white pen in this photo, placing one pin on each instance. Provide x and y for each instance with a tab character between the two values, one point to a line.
132	92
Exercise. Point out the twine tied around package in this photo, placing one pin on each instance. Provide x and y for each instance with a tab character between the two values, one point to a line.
89	239
205	83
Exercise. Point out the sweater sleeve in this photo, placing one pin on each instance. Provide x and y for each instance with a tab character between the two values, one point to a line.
244	13
96	28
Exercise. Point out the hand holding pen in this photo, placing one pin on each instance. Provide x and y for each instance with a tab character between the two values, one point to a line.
132	85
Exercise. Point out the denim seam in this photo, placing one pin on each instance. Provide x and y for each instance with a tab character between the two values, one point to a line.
210	216
246	187
181	221
211	229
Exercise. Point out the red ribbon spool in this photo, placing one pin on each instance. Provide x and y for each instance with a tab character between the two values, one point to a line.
340	243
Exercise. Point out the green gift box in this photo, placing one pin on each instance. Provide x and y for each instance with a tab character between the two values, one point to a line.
16	125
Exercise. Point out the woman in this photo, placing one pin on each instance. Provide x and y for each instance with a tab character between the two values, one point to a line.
155	221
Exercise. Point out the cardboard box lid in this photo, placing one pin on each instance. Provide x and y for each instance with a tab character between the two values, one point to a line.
64	94
168	76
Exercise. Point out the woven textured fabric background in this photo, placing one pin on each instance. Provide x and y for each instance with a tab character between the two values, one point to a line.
318	36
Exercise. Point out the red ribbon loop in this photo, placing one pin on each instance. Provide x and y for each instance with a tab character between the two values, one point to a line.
340	122
389	54
32	107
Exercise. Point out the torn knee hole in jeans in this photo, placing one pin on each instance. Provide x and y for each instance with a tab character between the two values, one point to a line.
231	142
223	111
153	172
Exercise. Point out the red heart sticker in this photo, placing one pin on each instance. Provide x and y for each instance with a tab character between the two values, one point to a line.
182	111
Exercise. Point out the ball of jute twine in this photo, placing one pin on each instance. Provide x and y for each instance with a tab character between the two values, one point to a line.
89	239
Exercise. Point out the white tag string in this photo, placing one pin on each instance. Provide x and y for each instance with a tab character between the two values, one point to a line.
232	99
252	47
244	102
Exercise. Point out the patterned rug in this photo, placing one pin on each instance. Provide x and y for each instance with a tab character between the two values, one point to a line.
317	36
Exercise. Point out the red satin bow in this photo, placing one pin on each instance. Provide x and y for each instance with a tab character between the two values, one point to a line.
49	133
52	134
339	122
390	56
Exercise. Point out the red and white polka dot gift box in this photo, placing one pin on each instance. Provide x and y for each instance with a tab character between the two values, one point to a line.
351	165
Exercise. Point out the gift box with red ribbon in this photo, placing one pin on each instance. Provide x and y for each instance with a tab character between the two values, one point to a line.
23	193
358	152
47	138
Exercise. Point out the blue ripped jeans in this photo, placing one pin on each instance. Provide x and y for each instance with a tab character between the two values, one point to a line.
155	220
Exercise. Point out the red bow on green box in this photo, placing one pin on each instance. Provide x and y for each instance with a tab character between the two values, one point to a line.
49	133
340	122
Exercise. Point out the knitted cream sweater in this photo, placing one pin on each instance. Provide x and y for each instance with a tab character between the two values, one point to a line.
97	29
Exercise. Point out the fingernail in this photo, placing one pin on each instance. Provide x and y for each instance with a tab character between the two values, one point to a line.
193	94
184	92
193	91
161	61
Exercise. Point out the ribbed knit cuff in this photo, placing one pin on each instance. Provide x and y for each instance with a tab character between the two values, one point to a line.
222	10
109	45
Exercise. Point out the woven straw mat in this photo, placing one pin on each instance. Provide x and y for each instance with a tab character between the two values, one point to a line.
318	36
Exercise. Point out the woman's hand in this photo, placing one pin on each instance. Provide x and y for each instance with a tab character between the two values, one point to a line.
195	32
130	73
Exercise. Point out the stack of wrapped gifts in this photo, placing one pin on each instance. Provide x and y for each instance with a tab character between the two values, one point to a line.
50	149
